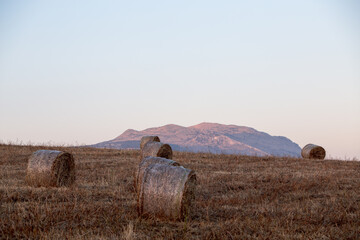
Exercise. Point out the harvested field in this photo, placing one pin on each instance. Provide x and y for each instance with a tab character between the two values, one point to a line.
238	197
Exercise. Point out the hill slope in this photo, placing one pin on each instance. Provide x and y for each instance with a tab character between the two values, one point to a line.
210	137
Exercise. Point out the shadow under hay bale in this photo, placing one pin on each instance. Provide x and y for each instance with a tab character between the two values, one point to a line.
167	192
313	151
139	172
50	168
157	149
146	139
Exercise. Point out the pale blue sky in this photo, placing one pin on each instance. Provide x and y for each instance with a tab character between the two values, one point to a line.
85	71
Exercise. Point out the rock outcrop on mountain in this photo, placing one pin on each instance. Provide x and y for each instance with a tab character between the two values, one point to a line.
210	137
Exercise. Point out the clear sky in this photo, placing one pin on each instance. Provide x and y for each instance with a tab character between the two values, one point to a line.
81	72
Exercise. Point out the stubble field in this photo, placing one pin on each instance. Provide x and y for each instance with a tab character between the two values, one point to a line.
238	197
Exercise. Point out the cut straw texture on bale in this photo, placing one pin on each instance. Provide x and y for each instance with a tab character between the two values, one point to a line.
146	139
50	168
313	151
139	172
157	149
167	192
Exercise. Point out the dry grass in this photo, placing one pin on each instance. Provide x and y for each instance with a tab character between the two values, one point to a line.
238	198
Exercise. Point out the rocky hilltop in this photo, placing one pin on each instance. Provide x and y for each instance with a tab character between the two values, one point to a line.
210	137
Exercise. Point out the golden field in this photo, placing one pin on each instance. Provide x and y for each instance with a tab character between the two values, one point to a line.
238	197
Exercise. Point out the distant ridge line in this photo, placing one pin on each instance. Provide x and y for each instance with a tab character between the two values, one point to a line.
210	137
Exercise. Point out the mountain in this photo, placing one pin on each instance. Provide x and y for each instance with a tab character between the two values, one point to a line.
210	137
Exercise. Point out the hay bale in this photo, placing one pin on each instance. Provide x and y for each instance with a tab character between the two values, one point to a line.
146	139
139	172
50	168
313	151
167	192
156	149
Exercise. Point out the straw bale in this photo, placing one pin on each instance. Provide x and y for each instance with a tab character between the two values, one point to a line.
313	151
139	172
146	139
156	149
167	192
50	168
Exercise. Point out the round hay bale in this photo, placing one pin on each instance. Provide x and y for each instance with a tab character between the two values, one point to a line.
139	172
156	149
146	139
313	151
50	168
167	192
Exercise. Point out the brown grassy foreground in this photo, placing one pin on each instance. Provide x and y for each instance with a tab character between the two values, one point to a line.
238	197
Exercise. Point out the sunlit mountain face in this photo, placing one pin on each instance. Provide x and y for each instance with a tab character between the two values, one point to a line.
210	137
